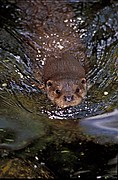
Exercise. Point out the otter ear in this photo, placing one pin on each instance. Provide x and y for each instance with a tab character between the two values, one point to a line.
49	83
40	85
83	81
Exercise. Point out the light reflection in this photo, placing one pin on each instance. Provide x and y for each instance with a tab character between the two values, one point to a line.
103	127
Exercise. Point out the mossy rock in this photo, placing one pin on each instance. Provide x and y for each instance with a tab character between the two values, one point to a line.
18	168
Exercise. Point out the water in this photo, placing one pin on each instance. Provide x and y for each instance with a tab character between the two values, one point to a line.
104	127
31	127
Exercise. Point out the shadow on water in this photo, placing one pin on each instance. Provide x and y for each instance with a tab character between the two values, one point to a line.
77	142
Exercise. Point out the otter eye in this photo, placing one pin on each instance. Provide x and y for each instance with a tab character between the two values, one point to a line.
83	81
49	83
77	90
58	91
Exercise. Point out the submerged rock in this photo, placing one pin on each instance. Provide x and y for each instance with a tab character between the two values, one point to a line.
17	168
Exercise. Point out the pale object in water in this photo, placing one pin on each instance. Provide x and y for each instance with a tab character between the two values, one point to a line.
103	128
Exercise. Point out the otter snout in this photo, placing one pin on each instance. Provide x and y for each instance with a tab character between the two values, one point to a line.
69	98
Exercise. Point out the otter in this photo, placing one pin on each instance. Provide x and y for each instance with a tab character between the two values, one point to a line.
60	62
65	80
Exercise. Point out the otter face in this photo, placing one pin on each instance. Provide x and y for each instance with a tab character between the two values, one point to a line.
66	92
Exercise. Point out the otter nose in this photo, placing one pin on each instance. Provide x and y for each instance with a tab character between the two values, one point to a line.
69	98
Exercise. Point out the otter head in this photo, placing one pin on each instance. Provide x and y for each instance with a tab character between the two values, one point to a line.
66	92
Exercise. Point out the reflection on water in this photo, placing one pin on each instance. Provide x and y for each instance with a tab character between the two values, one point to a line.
26	115
104	127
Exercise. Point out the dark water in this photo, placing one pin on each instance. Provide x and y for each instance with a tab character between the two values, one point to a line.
33	128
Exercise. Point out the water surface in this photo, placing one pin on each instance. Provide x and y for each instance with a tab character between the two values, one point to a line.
32	125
